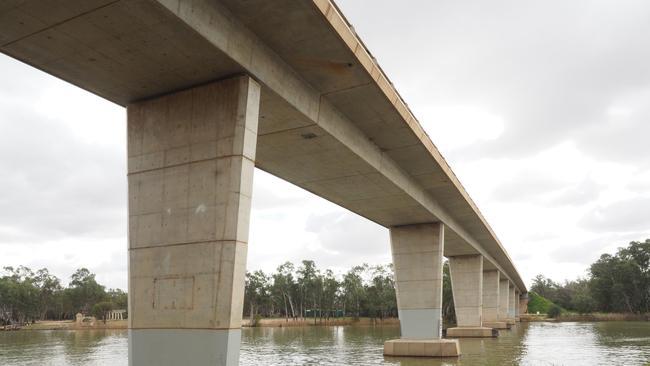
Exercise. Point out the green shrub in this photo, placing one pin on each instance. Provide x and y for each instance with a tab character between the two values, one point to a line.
256	320
538	303
101	309
554	311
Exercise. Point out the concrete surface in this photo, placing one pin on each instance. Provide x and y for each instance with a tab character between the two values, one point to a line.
215	88
497	325
523	304
504	300
199	346
190	186
472	332
491	296
422	348
417	262
467	287
466	274
512	302
517	304
330	119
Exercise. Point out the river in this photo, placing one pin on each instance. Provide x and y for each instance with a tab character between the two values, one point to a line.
606	343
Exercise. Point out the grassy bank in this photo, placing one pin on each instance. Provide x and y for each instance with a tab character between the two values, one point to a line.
601	317
594	317
71	325
282	322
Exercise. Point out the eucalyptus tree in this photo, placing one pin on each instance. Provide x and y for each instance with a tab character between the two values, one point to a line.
330	294
381	292
50	296
256	292
83	291
310	285
353	289
284	286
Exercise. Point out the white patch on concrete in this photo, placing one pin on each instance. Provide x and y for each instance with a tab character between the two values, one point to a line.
189	347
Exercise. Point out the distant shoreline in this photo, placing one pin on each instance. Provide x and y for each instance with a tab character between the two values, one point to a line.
348	321
309	322
594	317
265	322
72	325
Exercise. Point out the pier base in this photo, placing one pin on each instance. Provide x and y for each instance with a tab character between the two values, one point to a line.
496	325
422	348
472	332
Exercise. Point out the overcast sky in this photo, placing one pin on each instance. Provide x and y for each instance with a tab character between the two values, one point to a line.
542	108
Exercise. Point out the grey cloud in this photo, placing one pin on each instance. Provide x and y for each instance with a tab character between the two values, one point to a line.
56	185
527	185
349	239
626	215
550	68
541	236
639	184
265	195
317	223
545	189
578	194
587	252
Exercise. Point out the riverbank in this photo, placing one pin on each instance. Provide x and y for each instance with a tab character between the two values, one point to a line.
72	325
347	321
594	317
282	322
265	322
601	317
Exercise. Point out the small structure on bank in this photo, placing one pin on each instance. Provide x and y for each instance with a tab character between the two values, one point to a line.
84	321
119	314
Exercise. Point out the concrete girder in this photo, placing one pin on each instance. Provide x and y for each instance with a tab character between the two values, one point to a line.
318	80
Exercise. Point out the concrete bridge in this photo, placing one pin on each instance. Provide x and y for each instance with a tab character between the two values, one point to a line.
212	90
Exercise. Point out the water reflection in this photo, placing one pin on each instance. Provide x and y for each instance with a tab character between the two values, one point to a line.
622	343
59	348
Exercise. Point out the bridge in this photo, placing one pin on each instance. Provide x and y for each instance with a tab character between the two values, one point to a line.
214	88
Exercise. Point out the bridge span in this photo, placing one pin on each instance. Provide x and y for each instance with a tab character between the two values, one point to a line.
214	88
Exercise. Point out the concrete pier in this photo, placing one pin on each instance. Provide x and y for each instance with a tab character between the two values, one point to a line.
467	287
512	303
190	166
523	304
504	294
491	300
516	305
417	259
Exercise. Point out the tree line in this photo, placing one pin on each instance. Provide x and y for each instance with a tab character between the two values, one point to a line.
297	292
618	283
307	292
27	296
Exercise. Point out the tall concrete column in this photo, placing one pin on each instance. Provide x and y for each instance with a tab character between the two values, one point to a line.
512	303
467	288
504	293
191	161
417	262
491	300
517	297
523	304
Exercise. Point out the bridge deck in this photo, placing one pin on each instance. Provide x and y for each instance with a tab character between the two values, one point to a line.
330	120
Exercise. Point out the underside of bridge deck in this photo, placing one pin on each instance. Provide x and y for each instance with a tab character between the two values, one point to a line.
326	119
330	120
